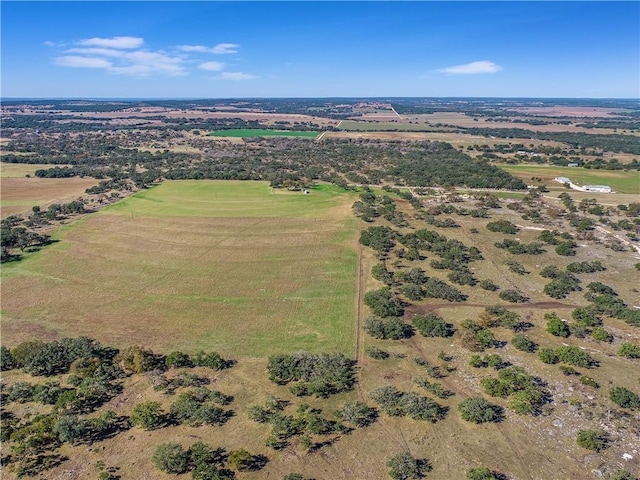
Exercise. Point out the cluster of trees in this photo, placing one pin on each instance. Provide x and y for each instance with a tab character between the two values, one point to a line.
567	354
204	461
320	375
396	403
525	392
307	423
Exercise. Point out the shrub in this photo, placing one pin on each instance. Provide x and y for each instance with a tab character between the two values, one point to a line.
567	249
358	413
574	356
513	296
403	467
555	326
138	359
620	475
488	285
601	335
377	353
478	410
591	440
524	343
178	360
481	473
432	325
629	350
585	380
6	360
171	458
624	398
502	226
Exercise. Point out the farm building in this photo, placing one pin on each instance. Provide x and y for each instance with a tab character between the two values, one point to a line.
563	180
597	188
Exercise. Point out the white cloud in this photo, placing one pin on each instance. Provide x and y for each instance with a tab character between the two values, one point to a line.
124	62
82	62
483	66
211	66
106	52
224	48
193	48
113	42
220	49
236	76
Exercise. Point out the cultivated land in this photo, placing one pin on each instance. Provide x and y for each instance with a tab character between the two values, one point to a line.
229	266
18	194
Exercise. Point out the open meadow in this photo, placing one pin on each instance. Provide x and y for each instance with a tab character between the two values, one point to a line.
230	266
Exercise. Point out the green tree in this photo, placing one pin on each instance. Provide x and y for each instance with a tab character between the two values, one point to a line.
403	467
171	458
555	326
147	415
478	410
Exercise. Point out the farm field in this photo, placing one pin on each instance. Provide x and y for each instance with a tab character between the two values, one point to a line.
228	266
249	132
19	170
620	181
18	193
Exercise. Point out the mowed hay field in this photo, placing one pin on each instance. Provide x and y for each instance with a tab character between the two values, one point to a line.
19	193
620	181
217	265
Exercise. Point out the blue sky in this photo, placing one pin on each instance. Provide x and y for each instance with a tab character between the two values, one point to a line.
319	49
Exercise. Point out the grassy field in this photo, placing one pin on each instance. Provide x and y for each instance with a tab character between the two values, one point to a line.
18	193
19	170
248	132
620	181
230	266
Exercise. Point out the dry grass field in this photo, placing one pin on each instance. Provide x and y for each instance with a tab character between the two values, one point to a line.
18	193
228	266
521	447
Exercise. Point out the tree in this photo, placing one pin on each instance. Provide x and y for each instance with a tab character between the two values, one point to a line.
403	466
478	410
171	458
432	325
147	415
358	413
591	440
383	303
555	326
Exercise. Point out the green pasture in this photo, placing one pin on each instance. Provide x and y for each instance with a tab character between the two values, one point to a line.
249	132
229	266
620	181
